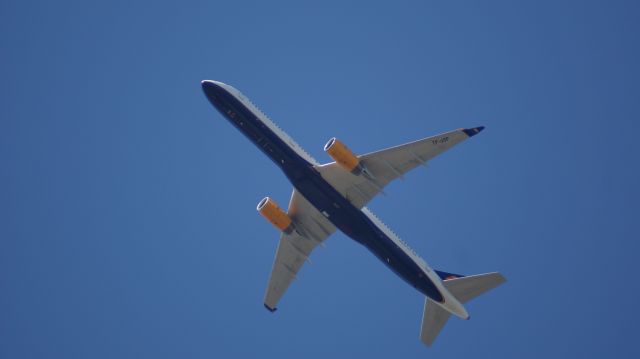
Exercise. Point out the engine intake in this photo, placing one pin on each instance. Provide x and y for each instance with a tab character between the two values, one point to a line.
269	209
343	156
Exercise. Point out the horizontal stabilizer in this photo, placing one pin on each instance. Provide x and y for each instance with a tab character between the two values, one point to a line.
433	320
467	288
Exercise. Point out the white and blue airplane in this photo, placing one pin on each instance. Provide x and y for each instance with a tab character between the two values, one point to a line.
333	196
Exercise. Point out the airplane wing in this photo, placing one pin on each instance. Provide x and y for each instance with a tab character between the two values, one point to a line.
389	164
311	228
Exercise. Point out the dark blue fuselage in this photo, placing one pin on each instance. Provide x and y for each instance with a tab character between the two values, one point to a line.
304	177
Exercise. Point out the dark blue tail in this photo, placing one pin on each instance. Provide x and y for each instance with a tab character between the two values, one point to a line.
447	275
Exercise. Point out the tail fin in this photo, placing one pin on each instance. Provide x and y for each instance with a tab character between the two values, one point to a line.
464	289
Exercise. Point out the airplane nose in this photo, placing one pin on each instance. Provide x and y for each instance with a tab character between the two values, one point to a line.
212	90
207	85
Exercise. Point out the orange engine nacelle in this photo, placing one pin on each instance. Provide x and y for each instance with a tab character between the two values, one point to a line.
343	156
269	209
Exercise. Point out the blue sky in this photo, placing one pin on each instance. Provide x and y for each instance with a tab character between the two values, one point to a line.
128	225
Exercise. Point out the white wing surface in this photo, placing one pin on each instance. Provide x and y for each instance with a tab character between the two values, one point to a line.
389	164
311	229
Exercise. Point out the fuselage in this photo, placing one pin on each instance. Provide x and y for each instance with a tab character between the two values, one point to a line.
298	167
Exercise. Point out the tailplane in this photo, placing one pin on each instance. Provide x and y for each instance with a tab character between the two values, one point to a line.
467	288
463	289
433	320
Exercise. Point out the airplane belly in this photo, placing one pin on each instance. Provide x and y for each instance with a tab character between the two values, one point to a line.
355	224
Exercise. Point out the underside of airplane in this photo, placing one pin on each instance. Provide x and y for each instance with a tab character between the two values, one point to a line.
333	196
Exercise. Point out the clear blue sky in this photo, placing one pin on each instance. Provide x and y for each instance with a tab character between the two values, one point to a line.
127	203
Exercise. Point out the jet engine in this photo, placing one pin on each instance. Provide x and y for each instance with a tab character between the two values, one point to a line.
269	209
344	157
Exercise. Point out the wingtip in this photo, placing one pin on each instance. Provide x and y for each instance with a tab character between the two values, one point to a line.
473	131
269	308
427	343
503	279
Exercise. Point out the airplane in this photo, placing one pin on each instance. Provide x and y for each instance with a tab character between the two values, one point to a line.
332	196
